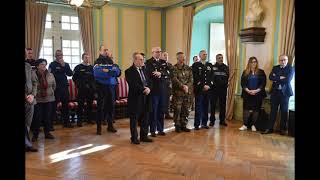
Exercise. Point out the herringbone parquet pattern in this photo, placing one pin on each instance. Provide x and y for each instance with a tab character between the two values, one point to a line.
216	153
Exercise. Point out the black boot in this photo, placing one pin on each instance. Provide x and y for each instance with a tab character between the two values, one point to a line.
111	128
98	130
185	129
178	129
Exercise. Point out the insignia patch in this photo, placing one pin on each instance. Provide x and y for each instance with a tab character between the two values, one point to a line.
209	68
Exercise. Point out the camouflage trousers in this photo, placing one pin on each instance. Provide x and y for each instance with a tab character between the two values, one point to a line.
181	105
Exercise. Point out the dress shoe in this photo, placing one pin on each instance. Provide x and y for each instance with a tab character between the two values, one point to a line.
185	129
211	124
205	127
153	134
68	126
282	132
146	139
51	129
161	133
197	128
31	149
178	129
49	136
104	123
135	141
267	131
79	124
112	129
223	123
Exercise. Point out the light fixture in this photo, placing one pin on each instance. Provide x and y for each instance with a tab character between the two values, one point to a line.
78	3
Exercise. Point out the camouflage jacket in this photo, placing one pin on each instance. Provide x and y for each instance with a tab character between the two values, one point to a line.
182	75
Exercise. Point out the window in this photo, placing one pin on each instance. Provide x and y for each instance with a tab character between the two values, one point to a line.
48	21
46	51
69	23
217	42
71	52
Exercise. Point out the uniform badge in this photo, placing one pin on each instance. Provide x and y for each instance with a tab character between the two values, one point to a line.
209	68
200	68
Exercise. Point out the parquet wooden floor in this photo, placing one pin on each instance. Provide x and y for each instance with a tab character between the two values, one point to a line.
221	153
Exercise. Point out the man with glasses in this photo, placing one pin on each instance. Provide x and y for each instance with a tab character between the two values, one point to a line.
158	74
219	90
281	76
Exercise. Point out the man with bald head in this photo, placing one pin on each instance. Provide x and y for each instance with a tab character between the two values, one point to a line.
105	73
139	99
157	70
281	76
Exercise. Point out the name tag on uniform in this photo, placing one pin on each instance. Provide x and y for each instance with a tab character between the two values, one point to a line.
214	68
82	70
58	67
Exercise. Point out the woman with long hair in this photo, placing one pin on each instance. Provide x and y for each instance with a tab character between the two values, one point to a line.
45	100
253	83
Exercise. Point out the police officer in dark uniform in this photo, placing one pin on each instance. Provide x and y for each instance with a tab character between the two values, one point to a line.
61	70
157	71
219	90
165	56
105	74
84	80
202	82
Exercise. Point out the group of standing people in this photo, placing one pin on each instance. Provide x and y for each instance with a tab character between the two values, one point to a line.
253	82
151	83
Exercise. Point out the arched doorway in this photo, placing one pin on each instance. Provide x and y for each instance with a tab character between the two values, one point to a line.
202	25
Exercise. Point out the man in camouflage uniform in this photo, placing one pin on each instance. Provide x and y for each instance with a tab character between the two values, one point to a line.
181	89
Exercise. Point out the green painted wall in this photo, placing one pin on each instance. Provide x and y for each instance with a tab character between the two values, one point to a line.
201	28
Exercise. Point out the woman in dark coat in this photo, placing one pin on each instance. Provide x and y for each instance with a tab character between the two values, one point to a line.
253	83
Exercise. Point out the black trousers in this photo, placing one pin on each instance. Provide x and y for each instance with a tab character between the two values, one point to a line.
279	99
221	95
106	104
144	117
84	95
62	95
42	112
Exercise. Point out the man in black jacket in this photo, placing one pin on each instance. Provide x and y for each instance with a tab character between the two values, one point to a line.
61	70
139	99
202	82
84	80
219	90
158	74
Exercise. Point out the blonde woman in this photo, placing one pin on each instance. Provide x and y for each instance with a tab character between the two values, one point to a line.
253	83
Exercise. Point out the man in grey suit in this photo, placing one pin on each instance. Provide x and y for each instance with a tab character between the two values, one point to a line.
30	101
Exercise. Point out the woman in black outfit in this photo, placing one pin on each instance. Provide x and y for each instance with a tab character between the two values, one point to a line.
253	83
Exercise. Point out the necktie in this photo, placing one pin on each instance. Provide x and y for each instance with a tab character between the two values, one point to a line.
143	79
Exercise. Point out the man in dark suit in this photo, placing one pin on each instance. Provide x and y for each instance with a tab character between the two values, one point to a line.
281	76
139	99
